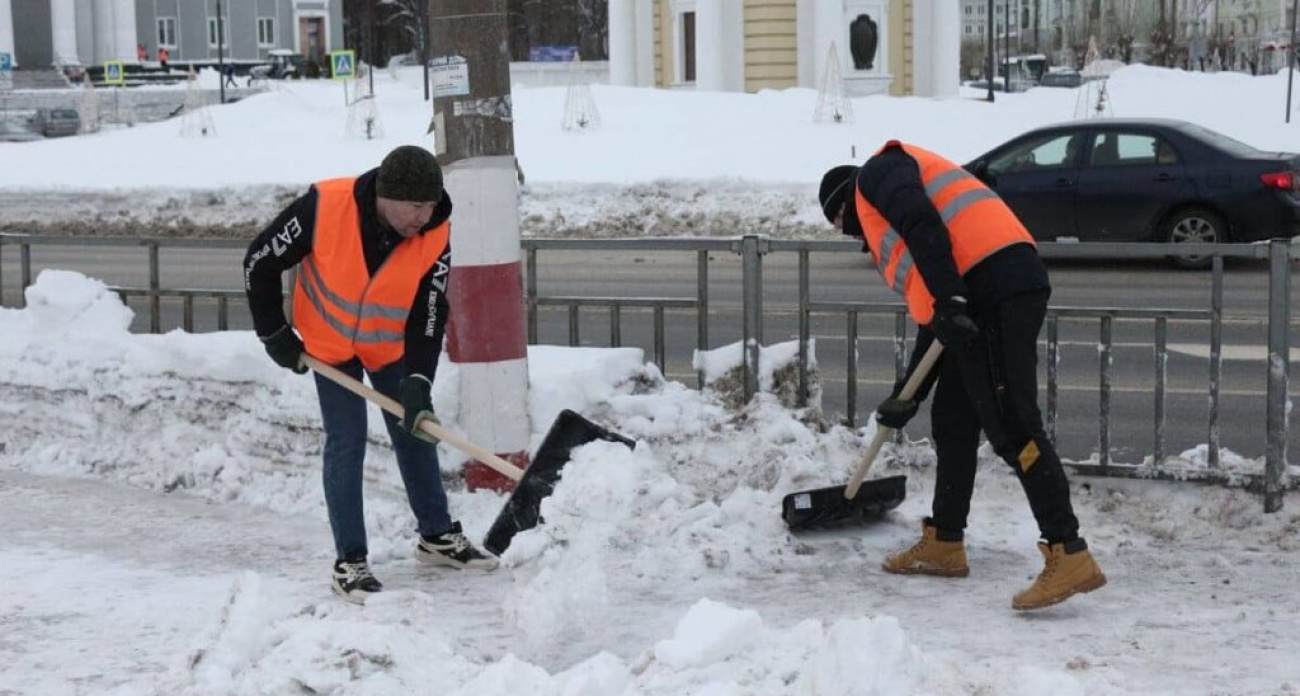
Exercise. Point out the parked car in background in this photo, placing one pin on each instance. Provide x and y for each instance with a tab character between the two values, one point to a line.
282	64
53	123
1142	180
15	132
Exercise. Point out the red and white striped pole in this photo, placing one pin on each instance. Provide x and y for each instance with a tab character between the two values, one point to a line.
472	125
487	336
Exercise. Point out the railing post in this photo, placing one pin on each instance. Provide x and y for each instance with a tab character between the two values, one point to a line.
1162	365
531	294
155	311
751	253
702	307
661	351
1216	359
616	325
1107	358
804	328
1279	354
574	337
851	369
25	269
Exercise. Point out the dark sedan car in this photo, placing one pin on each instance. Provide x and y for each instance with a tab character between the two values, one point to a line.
1140	180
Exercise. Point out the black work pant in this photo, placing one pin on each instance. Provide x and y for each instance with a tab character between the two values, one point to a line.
992	385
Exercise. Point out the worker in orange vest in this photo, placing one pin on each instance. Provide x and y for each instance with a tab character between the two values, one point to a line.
163	56
373	261
141	53
972	279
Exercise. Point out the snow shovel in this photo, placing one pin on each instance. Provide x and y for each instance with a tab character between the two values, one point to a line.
855	502
522	510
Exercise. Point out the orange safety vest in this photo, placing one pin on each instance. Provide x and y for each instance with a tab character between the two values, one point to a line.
978	222
342	311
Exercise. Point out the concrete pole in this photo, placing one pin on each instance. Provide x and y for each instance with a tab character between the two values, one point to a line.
105	23
946	66
124	30
7	30
63	25
645	43
710	38
622	43
472	126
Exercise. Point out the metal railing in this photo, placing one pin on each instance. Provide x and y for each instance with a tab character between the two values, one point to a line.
752	250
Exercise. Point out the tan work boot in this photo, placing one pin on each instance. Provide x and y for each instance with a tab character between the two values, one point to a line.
930	556
1067	573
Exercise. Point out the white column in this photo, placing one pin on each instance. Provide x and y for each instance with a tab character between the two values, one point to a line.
923	49
7	30
622	42
63	25
124	33
710	40
733	45
947	50
105	46
645	43
828	28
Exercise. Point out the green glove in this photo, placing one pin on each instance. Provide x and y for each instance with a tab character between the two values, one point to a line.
417	405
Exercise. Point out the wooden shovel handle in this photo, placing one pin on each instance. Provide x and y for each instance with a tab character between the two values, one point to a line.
884	432
502	466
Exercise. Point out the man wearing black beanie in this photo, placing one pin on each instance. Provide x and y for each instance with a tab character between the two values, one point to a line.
971	278
374	260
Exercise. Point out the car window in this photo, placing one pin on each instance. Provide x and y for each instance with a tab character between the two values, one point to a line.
65	113
1220	141
1052	151
1114	149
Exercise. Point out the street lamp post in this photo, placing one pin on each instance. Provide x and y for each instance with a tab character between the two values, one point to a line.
221	60
1290	60
993	43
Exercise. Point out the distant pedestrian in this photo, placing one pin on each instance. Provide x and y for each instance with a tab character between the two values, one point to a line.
163	56
230	76
141	54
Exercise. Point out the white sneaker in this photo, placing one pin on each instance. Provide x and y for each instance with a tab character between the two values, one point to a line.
353	581
451	548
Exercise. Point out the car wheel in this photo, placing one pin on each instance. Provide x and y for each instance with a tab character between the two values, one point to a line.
1194	226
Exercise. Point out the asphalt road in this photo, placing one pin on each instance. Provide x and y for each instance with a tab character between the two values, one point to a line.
848	277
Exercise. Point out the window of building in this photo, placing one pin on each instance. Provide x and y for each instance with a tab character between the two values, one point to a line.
212	32
265	31
167	31
688	47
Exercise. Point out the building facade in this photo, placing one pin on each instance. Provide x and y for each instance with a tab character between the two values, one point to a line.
41	33
899	47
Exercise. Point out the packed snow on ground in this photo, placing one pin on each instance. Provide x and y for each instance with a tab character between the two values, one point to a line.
661	162
165	533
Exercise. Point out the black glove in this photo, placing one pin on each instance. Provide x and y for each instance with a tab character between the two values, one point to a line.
286	349
951	324
417	405
895	413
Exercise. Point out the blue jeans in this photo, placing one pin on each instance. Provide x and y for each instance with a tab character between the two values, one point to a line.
344	415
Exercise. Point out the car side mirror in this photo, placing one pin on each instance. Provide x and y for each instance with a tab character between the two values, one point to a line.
980	170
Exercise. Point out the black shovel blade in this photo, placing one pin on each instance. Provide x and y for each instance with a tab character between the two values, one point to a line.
827	507
522	510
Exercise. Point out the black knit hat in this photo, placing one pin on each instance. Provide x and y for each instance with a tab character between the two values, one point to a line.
837	185
410	173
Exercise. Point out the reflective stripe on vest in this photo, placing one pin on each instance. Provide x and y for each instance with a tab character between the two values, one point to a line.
978	222
339	308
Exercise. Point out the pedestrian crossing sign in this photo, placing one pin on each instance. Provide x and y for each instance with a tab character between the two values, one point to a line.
113	73
343	64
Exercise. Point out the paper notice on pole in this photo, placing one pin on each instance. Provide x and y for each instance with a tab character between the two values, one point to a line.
449	76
